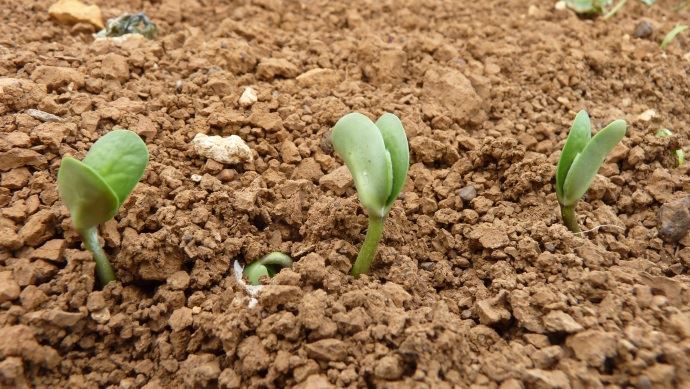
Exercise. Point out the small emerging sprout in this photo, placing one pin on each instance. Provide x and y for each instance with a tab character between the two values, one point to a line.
378	156
672	35
679	153
581	158
94	189
268	265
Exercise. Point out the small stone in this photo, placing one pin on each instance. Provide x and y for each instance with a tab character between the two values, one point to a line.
229	379
38	228
16	178
270	68
57	317
55	77
16	157
560	6
321	78
680	323
74	11
674	220
179	280
9	288
114	66
9	238
43	116
195	178
315	381
274	295
101	316
95	301
647	115
389	367
32	297
51	250
447	92
289	152
20	341
229	150
547	379
491	313
643	29
327	350
593	346
337	181
248	97
468	193
661	375
489	237
180	319
559	321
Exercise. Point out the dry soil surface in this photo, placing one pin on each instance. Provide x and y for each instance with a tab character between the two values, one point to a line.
477	283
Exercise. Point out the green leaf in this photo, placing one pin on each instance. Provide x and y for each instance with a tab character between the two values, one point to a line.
672	35
120	158
89	199
268	265
396	144
587	163
578	137
588	6
359	143
664	133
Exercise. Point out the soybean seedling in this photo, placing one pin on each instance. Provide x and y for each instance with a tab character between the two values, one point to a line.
679	153
94	189
581	158
378	156
268	265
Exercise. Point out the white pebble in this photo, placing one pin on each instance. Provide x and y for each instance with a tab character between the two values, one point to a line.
248	97
196	178
647	115
230	150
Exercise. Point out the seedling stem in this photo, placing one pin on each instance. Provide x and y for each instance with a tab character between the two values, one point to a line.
371	242
104	271
569	218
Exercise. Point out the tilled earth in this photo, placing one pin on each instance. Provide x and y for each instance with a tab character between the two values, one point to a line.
477	283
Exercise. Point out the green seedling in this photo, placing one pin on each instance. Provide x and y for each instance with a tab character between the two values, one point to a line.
672	35
95	188
378	156
598	7
588	6
679	153
268	265
581	158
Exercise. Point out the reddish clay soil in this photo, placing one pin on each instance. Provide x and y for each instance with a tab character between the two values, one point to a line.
477	283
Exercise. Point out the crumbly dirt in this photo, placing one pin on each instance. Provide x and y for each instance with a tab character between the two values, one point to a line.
477	283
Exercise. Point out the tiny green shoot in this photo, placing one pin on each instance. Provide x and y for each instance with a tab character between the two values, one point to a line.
679	153
268	265
672	35
378	156
95	188
588	6
598	7
580	160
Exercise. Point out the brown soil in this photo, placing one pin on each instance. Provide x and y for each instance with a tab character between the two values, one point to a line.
483	288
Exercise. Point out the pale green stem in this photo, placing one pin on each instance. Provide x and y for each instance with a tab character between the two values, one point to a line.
371	243
615	9
570	219
103	269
